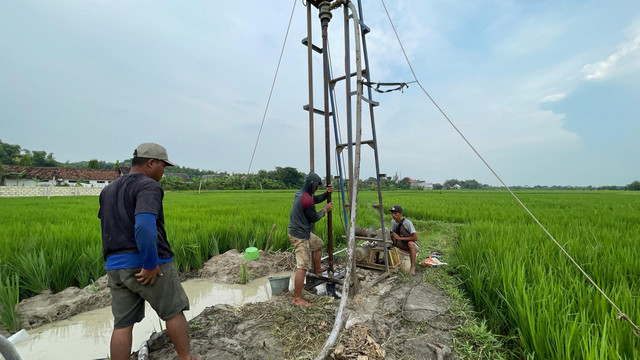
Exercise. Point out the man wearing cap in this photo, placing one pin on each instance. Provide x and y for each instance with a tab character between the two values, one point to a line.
404	235
139	260
303	215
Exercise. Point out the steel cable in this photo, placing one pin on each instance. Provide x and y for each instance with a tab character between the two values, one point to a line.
621	315
273	84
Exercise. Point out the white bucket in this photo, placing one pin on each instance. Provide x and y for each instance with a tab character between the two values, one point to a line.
405	261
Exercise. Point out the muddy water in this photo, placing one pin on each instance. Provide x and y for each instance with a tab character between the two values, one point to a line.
87	335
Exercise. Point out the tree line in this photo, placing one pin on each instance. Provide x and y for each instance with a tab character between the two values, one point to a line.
279	178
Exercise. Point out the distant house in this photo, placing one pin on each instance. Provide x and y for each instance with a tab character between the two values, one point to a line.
182	176
420	185
124	170
456	187
15	175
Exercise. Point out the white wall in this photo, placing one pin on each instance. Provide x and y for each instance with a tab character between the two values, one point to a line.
50	183
19	191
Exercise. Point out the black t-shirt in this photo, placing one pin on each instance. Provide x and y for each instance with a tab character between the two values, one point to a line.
120	202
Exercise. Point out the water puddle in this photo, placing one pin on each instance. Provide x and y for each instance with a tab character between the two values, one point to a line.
87	335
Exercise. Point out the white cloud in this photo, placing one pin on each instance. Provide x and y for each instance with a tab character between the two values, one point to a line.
492	66
552	98
614	63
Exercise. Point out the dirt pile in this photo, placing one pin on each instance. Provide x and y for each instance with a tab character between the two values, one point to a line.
226	268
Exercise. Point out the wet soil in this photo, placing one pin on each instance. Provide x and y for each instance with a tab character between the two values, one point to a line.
47	307
225	268
400	317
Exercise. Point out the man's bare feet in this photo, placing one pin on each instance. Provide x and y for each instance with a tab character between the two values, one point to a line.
413	272
321	270
301	302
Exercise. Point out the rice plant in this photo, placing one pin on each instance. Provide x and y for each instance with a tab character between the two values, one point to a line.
63	265
9	298
90	265
523	284
34	272
244	277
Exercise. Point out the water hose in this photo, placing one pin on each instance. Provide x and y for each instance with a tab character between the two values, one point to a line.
337	325
7	350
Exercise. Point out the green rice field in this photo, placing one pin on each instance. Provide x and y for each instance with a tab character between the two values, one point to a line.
518	279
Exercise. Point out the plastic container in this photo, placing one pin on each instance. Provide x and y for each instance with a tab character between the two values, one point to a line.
279	284
19	336
251	253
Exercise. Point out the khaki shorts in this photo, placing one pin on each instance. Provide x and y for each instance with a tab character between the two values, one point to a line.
404	245
166	296
302	247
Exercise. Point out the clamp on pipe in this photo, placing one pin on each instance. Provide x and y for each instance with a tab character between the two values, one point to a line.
325	11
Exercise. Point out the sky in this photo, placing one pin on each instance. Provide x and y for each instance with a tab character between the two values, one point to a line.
547	92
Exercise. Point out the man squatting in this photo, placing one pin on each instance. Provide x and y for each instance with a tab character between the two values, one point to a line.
404	235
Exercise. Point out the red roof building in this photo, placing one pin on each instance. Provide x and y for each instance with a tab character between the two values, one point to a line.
15	175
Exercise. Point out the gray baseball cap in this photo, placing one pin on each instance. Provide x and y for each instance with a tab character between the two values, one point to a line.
152	151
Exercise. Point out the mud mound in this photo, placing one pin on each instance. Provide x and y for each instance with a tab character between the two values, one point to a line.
220	332
47	307
225	268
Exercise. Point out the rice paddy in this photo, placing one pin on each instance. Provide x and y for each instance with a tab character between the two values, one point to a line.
518	279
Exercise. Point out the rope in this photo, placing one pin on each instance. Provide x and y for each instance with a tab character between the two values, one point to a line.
621	315
275	76
273	84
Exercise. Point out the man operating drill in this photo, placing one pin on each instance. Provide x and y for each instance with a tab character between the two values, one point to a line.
303	216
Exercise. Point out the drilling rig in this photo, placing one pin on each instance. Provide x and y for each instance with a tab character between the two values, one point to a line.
353	82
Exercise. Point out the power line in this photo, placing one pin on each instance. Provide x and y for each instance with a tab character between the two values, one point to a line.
621	315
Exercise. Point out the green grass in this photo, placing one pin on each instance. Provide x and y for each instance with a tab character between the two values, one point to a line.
525	288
